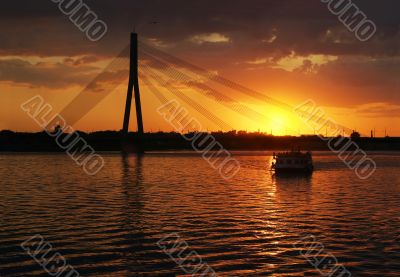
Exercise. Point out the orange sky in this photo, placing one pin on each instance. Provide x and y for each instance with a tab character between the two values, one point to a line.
287	58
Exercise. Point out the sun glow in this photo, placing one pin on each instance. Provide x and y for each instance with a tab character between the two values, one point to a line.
279	122
279	125
282	122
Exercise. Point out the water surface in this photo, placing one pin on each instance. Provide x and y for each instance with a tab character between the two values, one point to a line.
109	224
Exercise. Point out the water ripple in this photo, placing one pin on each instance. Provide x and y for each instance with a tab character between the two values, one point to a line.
109	224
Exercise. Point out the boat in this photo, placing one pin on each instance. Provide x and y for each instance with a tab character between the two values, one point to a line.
292	162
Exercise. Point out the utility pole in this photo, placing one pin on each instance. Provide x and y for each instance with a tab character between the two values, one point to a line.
133	85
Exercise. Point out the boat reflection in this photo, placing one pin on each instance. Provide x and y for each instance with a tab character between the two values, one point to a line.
292	188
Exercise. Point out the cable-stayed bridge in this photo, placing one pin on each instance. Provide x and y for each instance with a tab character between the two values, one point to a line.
154	69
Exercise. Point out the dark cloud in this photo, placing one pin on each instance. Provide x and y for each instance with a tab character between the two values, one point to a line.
254	29
49	75
81	60
376	79
379	110
300	25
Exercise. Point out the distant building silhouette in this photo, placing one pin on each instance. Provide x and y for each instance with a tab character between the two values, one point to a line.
355	135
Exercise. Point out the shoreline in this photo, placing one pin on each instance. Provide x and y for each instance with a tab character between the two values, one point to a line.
107	141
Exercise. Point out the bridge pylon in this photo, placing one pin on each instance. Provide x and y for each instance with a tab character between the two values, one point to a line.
133	87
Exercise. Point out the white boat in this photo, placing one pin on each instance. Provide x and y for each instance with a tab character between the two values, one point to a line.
293	162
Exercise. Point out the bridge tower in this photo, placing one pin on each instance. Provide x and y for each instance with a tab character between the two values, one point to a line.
133	85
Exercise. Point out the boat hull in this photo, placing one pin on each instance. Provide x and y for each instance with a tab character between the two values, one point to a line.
294	171
293	163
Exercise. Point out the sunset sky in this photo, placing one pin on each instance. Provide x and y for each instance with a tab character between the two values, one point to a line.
289	50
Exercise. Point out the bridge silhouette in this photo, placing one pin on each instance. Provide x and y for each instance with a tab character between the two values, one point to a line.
154	69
